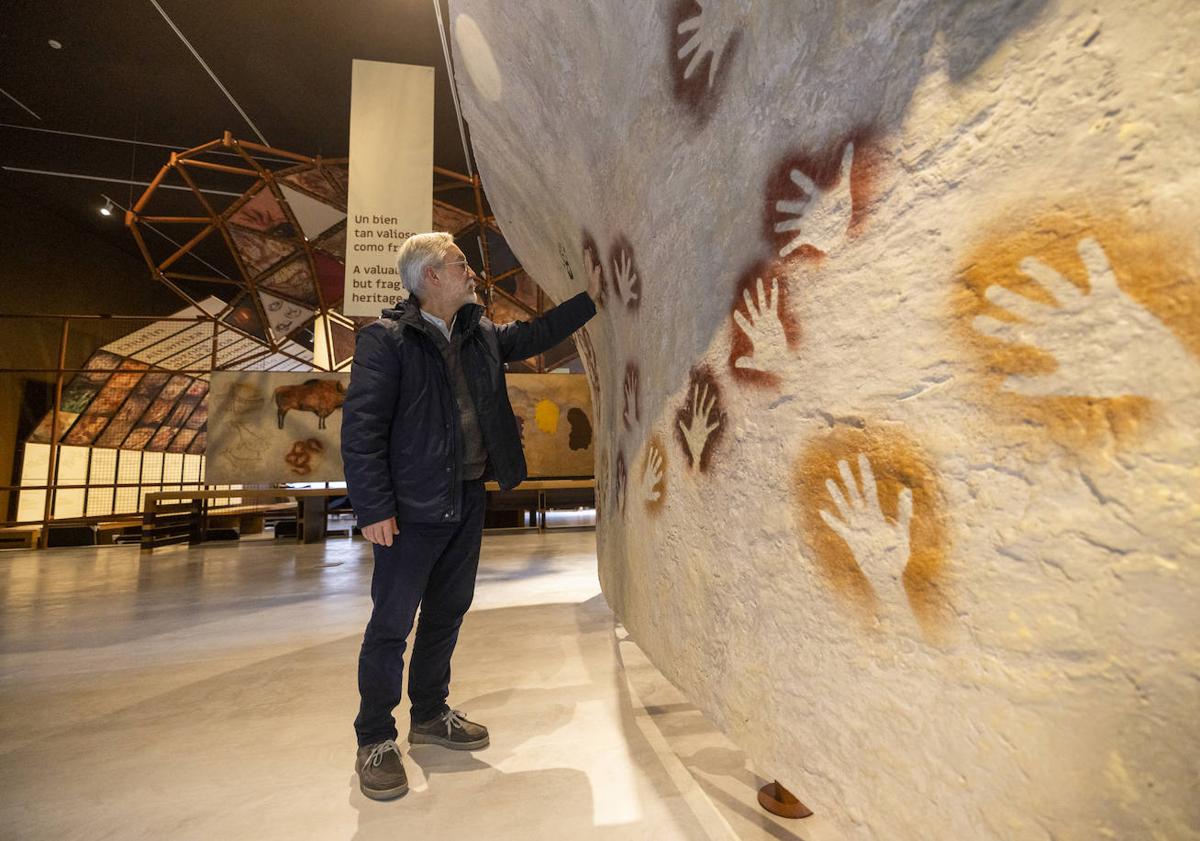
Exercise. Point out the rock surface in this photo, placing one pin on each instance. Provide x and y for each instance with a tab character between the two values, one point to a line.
897	381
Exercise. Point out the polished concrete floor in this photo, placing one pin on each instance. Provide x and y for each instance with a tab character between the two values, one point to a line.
208	693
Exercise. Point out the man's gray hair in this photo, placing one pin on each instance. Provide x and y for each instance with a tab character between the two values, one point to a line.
419	252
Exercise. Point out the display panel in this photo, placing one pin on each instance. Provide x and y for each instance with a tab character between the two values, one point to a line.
554	414
266	427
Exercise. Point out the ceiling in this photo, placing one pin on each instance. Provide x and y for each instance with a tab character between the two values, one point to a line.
134	80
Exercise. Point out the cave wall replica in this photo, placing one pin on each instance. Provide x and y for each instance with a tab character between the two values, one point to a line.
896	381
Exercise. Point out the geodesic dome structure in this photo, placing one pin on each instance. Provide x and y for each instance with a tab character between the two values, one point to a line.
263	231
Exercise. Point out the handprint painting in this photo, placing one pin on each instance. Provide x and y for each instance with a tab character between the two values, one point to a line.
1037	302
900	360
630	415
766	331
873	518
704	37
700	422
627	279
652	473
814	202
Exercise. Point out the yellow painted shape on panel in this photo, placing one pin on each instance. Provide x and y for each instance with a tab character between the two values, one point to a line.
545	415
1156	269
897	462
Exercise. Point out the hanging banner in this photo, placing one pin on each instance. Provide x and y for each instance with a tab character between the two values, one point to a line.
391	177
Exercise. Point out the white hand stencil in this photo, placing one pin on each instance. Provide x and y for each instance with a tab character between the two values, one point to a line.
764	328
708	39
1105	344
821	218
879	546
631	402
652	476
626	277
698	428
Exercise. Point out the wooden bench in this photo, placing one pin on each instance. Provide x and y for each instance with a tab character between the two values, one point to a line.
172	517
108	530
537	496
247	519
20	537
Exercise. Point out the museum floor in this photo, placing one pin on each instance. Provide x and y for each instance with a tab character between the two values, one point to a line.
208	693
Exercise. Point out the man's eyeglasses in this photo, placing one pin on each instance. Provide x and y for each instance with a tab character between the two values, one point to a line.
458	263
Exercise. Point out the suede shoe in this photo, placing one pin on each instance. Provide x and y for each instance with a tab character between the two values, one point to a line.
381	771
450	730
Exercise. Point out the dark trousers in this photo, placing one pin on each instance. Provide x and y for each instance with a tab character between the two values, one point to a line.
430	565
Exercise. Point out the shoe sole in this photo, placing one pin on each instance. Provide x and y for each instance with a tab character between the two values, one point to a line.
424	739
383	793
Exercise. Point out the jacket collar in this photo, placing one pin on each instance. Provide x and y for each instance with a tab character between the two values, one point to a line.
408	312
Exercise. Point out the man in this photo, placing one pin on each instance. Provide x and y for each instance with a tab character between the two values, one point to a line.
425	422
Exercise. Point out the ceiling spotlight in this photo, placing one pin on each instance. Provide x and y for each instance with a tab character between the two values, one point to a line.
107	210
57	45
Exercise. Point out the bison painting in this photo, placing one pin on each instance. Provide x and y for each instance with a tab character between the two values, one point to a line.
321	397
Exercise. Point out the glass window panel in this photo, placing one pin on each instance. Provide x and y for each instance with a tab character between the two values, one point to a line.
104	472
191	469
172	471
152	465
72	470
72	465
31	505
34	465
129	470
68	503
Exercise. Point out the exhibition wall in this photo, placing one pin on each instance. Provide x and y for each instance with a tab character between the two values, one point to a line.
896	382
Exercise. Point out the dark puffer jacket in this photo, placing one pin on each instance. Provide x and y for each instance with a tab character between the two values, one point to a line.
400	437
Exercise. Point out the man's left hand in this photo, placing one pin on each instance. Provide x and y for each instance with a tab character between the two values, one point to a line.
595	289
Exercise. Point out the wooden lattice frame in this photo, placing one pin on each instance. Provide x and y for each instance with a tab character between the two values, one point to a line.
255	156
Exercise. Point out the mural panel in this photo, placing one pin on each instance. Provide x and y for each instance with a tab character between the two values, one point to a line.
266	427
555	415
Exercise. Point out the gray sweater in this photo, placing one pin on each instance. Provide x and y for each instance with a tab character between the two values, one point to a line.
470	438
